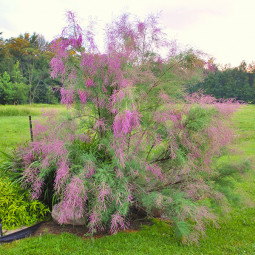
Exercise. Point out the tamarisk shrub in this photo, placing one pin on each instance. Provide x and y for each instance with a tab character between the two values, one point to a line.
139	147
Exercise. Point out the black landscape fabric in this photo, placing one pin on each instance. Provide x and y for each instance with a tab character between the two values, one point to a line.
20	234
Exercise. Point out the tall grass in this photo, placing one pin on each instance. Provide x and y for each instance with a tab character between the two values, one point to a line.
26	110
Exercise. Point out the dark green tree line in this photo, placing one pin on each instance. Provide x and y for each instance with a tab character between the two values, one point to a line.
235	82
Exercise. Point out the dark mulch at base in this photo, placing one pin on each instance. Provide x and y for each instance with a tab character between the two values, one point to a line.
50	227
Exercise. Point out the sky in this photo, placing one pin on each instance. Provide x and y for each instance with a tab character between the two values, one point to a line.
224	29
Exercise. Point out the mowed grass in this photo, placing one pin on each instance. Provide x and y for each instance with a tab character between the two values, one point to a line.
13	130
244	120
236	234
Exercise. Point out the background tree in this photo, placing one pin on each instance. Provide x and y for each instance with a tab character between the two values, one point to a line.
33	54
235	82
13	90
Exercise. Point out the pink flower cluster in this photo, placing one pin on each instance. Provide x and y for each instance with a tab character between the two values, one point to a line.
125	122
89	83
118	223
83	95
58	68
73	204
67	96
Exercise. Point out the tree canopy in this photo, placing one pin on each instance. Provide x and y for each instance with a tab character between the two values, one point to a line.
235	82
32	55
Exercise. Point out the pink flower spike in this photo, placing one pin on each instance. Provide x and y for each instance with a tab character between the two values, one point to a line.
125	122
82	96
89	83
67	96
117	223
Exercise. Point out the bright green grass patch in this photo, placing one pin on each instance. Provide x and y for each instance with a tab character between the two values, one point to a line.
245	122
236	234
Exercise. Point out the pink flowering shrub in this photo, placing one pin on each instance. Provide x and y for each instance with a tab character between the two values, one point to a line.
139	147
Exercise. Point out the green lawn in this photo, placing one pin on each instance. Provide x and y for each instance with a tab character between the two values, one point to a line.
245	122
236	234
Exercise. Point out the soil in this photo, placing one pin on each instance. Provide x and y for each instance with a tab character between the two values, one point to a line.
50	227
137	218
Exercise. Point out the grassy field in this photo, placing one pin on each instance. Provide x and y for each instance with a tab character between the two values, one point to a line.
236	234
14	129
14	123
26	110
245	122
